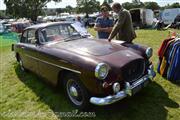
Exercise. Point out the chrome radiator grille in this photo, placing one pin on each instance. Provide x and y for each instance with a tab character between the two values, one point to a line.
133	70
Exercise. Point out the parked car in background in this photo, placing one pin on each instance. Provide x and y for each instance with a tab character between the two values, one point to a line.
19	26
2	28
8	27
90	70
92	19
142	17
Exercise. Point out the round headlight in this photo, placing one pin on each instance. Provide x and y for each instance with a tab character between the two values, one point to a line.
101	70
149	52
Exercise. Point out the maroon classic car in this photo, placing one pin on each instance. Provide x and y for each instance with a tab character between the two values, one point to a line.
90	70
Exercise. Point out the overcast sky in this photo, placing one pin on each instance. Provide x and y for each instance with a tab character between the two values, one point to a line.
64	3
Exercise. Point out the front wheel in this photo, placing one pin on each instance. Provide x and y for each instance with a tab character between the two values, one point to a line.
76	92
21	64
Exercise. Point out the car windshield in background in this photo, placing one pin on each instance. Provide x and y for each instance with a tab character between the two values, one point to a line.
58	33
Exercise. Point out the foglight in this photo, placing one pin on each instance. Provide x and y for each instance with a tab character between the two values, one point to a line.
116	87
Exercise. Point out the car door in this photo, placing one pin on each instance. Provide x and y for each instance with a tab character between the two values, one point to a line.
20	48
30	51
47	63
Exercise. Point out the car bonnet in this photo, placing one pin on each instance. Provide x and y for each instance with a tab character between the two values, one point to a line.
89	46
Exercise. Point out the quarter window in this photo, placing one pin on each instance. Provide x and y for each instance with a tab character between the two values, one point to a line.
31	37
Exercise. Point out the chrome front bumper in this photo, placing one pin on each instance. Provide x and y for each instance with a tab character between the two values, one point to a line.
128	91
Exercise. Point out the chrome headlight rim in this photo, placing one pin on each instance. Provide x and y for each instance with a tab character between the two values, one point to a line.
149	52
97	70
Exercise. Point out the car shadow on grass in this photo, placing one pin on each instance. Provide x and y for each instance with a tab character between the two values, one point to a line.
149	104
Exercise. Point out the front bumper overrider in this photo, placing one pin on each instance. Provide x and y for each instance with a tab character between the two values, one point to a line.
128	91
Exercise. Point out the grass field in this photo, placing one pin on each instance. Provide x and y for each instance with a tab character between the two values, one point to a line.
23	96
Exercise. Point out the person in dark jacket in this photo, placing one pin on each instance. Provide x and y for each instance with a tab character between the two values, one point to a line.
123	28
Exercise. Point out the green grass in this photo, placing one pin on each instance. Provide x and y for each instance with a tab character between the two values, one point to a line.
25	96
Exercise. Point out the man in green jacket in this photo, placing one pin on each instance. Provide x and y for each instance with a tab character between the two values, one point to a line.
123	28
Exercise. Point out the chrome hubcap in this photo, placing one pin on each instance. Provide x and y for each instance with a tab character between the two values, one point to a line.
21	65
73	91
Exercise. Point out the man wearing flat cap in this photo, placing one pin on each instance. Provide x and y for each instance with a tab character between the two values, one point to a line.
123	28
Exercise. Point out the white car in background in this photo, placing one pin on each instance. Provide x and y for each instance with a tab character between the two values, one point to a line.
2	28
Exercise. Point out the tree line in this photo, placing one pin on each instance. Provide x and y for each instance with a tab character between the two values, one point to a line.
33	8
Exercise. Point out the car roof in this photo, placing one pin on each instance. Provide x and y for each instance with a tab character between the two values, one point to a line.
43	25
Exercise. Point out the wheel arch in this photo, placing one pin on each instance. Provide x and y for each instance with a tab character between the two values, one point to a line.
17	56
61	75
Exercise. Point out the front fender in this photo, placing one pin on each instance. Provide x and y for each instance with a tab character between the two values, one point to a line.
137	48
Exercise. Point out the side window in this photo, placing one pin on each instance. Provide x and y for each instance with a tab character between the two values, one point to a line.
24	37
64	30
31	37
51	31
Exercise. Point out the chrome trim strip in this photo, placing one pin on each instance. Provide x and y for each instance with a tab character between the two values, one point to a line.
53	64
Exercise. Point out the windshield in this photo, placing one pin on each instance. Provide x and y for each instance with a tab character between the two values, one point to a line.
58	33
